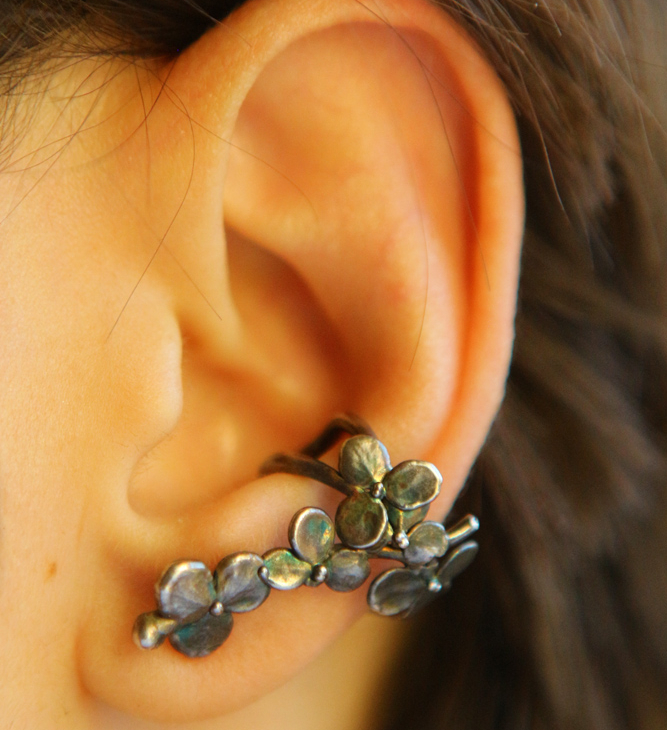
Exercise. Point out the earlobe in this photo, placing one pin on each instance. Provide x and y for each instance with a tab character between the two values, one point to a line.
373	156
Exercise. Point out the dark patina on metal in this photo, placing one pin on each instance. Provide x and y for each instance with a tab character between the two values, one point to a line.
381	517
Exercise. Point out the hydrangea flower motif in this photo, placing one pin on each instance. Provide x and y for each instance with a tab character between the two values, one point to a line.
403	591
314	559
195	606
383	502
380	517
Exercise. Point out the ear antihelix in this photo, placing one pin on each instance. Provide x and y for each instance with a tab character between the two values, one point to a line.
196	606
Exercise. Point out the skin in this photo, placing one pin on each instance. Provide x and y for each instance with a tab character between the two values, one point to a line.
175	308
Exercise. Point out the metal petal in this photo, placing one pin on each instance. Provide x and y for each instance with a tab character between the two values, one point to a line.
363	461
311	535
204	636
406	519
239	587
283	570
457	562
151	629
412	484
185	590
361	521
398	592
427	541
347	569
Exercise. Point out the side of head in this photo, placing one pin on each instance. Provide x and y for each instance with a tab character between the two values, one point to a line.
312	208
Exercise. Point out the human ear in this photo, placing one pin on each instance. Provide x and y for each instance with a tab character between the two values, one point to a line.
348	197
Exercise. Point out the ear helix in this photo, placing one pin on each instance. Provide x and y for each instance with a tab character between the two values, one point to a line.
381	517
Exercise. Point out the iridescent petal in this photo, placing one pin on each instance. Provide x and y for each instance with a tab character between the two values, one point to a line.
311	535
239	586
203	636
283	570
412	484
151	629
361	521
363	461
428	540
406	519
456	562
398	592
347	569
185	590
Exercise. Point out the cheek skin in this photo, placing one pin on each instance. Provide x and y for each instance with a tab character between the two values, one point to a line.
69	399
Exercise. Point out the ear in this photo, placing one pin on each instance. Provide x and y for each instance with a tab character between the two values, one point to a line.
349	201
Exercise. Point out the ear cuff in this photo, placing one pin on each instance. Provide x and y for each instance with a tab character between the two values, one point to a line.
383	516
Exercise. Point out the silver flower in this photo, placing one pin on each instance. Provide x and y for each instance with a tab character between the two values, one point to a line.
195	607
384	501
314	559
403	591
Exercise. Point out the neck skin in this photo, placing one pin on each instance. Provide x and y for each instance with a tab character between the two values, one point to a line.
339	691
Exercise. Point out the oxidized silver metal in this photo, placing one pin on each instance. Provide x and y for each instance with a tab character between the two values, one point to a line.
382	517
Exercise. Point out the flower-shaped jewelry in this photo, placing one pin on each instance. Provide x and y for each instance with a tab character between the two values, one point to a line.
403	591
195	607
382	516
383	502
314	558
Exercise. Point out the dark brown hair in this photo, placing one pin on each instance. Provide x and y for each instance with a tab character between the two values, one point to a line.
563	623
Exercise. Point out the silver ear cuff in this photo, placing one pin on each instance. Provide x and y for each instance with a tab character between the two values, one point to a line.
382	517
